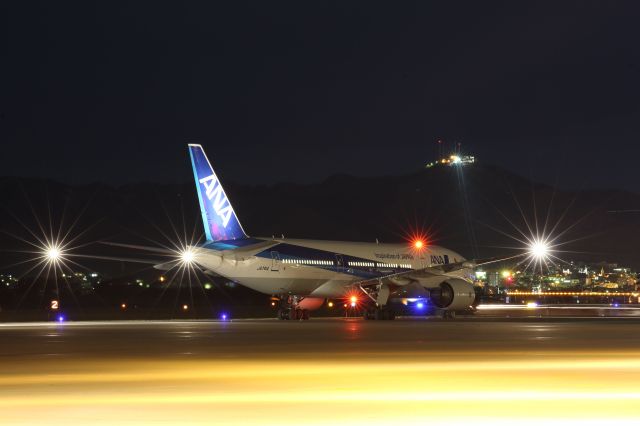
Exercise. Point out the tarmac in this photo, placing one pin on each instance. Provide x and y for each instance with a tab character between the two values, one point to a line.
323	371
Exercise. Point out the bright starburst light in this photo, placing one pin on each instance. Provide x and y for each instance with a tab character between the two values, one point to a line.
539	249
48	239
540	238
187	256
53	253
176	248
539	253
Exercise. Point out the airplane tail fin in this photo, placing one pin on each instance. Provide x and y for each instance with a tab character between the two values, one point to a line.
219	219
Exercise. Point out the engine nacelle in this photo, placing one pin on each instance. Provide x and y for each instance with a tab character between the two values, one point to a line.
311	303
453	295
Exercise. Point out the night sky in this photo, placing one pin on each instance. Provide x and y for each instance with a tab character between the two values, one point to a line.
299	91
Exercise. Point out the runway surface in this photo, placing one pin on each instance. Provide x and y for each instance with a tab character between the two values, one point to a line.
331	371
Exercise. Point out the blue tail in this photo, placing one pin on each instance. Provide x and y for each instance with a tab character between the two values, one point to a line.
219	219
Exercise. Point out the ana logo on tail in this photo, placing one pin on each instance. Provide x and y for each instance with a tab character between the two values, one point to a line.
219	219
219	201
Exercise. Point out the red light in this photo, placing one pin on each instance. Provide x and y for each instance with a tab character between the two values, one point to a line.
352	299
417	241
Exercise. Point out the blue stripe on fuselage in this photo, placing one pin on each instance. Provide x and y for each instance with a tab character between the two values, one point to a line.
295	252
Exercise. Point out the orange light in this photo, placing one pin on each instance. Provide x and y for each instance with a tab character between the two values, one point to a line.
161	279
123	306
273	303
330	304
345	305
353	300
185	307
418	244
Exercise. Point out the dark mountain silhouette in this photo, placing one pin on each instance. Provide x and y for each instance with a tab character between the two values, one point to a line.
466	209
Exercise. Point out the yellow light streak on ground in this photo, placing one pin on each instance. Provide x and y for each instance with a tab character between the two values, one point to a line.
561	387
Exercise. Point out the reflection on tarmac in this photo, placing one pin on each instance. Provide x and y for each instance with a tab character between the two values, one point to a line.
321	372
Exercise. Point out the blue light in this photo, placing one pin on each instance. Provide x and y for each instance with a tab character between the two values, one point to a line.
419	305
60	318
223	317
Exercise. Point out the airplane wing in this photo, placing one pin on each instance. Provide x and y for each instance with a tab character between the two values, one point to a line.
406	277
117	259
162	265
138	247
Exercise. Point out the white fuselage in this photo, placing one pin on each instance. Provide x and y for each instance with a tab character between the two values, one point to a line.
318	268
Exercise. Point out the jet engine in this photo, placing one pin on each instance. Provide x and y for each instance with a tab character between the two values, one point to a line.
453	295
311	303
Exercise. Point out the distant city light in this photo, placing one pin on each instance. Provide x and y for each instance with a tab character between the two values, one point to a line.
185	307
123	306
330	304
571	293
454	160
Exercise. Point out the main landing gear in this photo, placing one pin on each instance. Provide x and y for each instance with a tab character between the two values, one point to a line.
289	309
293	314
380	296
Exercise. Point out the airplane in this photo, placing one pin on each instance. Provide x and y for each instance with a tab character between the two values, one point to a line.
303	274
